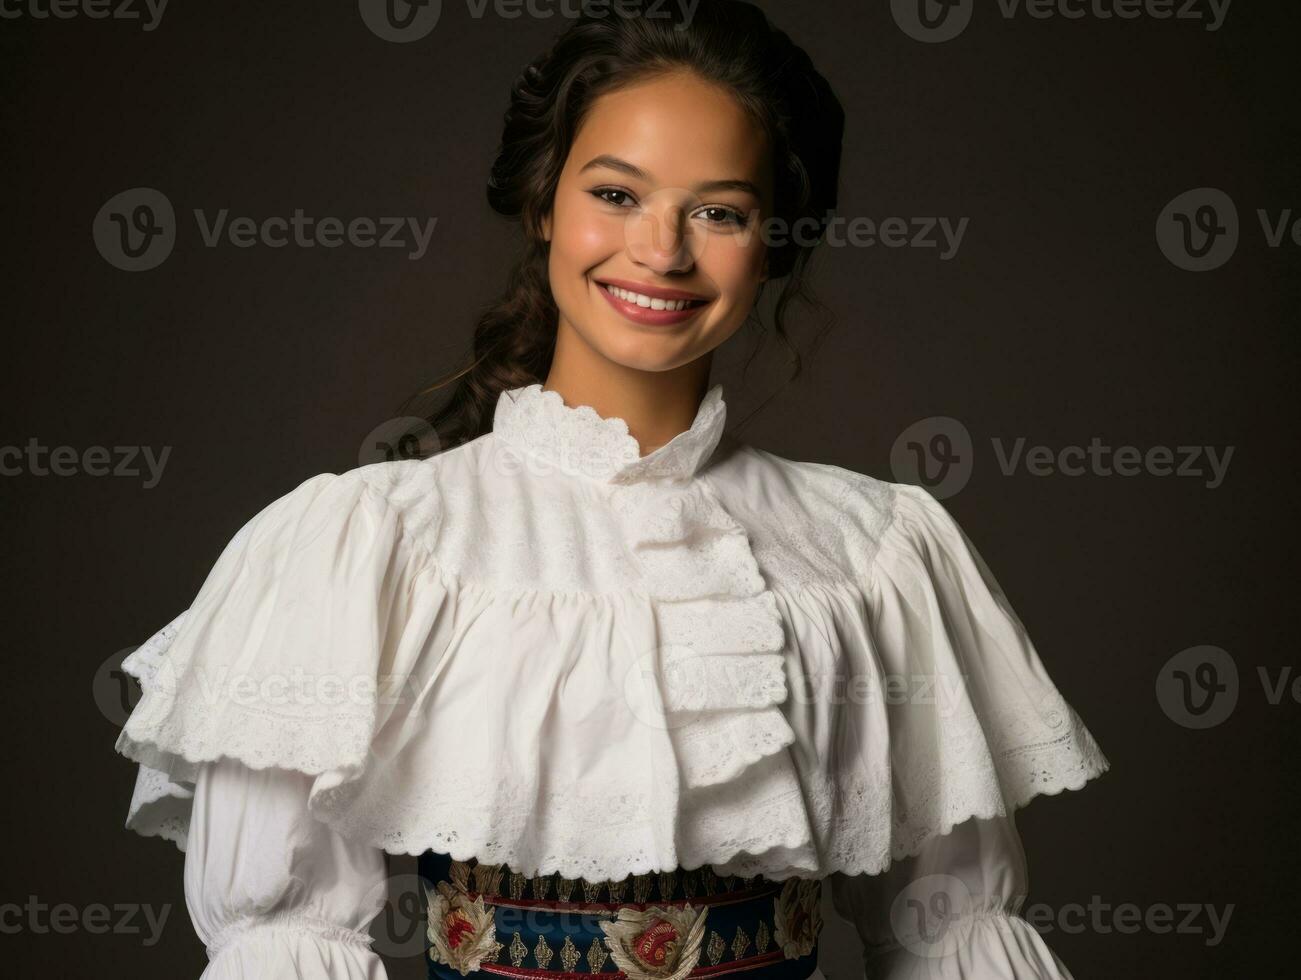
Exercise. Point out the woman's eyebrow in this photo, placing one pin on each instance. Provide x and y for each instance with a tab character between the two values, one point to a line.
632	170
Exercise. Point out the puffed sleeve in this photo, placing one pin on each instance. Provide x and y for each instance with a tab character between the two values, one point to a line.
267	689
982	731
271	891
989	730
950	912
276	659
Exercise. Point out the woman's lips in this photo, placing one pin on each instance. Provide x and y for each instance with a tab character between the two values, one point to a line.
648	316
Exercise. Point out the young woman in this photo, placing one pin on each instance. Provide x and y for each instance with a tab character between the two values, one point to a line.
630	688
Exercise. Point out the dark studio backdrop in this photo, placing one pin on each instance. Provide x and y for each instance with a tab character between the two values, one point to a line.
1071	314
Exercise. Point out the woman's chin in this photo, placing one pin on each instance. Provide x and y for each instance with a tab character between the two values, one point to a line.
655	355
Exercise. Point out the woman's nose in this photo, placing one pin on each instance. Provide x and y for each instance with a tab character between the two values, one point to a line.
659	237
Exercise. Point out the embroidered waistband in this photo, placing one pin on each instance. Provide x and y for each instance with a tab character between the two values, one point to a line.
486	920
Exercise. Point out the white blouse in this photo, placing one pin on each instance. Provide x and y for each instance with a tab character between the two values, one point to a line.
543	649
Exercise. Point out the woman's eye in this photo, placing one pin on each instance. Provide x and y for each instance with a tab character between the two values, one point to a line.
713	215
723	216
612	195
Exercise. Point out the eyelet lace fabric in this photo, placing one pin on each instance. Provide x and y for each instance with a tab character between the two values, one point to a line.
547	650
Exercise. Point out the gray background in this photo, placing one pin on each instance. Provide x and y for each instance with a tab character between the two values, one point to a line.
1058	320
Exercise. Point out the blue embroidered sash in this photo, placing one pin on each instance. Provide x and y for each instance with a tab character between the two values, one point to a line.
486	921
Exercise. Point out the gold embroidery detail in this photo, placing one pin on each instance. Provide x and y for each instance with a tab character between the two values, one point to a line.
542	952
798	914
656	943
618	889
461	932
517	950
459	875
565	888
689	884
596	955
487	878
517	886
761	937
541	885
592	890
569	955
739	943
667	878
716	947
641	885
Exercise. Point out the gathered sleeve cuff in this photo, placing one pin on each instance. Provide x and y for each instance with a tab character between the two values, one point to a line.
271	891
992	733
950	912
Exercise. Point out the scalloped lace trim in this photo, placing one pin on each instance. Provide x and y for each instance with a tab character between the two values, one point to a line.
578	439
729	793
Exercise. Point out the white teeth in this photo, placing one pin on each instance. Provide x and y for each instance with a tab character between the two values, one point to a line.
648	302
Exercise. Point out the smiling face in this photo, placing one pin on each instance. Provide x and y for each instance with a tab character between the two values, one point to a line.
656	256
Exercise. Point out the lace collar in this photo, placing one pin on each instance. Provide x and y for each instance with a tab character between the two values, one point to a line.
579	440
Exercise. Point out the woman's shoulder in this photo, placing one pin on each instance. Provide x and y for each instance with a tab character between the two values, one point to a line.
408	496
833	510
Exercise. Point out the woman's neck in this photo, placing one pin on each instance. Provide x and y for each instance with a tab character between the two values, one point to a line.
657	405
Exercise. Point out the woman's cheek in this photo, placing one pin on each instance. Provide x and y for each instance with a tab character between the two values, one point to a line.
735	269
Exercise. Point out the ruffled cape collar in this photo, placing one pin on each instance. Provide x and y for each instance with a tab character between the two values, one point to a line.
576	439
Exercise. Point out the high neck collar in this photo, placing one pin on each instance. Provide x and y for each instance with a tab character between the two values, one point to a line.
579	440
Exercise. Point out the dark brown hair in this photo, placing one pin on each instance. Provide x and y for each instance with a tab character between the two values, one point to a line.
727	42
